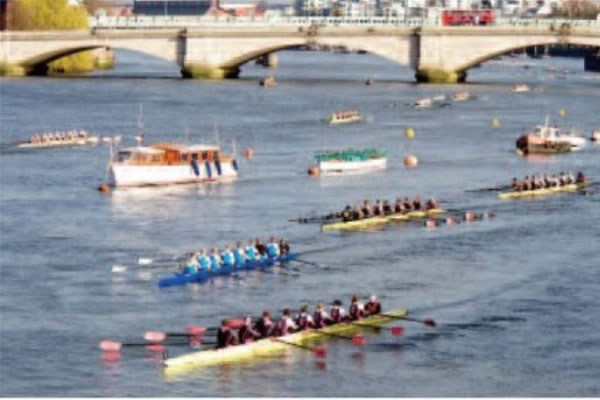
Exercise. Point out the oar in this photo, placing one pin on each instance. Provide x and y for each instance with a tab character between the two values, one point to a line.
426	321
357	340
491	189
396	330
190	331
319	351
112	346
306	262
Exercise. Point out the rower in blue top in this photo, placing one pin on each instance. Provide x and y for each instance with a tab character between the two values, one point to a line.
273	248
215	261
251	251
228	259
239	255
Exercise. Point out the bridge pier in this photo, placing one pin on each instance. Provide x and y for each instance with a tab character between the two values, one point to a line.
207	71
439	75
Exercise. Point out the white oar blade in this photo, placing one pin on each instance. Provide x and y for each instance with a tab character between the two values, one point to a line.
155	336
119	268
144	261
108	345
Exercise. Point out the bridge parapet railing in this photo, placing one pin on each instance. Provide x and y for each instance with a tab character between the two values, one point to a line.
140	22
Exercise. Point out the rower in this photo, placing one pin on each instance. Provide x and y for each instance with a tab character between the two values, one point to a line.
407	204
215	260
304	320
571	177
357	309
273	248
192	265
204	261
387	208
260	247
320	317
286	324
515	184
225	336
246	333
432	204
239	255
264	326
373	306
378	208
357	214
417	204
284	247
366	209
337	312
347	214
581	179
227	256
399	206
251	252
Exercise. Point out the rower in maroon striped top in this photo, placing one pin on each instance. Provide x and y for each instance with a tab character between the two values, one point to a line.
304	320
337	312
357	309
373	307
246	333
320	317
225	336
264	326
286	324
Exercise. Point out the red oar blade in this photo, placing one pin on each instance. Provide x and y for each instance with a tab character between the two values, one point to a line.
397	330
234	323
155	336
358	340
195	330
320	352
156	348
429	322
108	345
111	356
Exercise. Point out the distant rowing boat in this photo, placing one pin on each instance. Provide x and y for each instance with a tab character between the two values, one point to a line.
380	220
180	279
269	346
60	143
542	192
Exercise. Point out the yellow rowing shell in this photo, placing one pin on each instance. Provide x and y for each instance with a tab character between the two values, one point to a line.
543	192
374	221
265	347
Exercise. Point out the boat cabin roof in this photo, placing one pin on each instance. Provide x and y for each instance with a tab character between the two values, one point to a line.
141	149
184	148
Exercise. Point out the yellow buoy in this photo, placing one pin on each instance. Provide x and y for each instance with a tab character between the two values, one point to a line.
495	122
409	133
411	161
562	112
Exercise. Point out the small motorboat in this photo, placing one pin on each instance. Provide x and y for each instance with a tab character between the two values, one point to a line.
596	136
521	88
546	139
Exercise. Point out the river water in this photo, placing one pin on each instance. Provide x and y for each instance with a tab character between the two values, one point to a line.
515	298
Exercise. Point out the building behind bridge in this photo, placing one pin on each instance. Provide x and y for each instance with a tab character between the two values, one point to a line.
194	8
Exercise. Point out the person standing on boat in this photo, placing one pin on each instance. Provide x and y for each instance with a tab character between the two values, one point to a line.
320	317
225	336
272	248
373	307
304	320
264	326
246	333
215	260
338	314
286	324
357	308
239	255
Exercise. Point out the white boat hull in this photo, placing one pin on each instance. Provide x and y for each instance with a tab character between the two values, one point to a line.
60	143
338	167
576	142
146	175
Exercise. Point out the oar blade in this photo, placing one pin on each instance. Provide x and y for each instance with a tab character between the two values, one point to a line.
358	340
320	352
195	330
109	345
397	330
429	322
155	336
155	348
144	261
110	356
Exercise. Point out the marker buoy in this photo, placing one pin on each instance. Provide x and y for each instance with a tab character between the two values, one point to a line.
470	216
430	223
562	112
104	188
249	153
411	161
314	171
451	221
495	122
409	133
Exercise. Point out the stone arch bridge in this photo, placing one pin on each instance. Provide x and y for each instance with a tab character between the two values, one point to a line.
437	54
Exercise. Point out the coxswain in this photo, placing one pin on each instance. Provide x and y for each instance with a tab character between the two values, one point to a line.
417	203
347	214
286	324
264	326
320	317
373	306
251	252
284	247
260	247
387	208
581	179
432	204
225	336
215	260
239	255
366	209
304	320
246	333
337	313
357	308
272	248
228	259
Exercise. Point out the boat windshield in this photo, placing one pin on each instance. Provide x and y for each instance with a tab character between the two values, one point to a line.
124	156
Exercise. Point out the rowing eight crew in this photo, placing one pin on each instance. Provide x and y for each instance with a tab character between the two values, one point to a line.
58	136
540	181
265	327
214	260
382	208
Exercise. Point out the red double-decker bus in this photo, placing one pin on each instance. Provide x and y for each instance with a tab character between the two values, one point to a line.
467	17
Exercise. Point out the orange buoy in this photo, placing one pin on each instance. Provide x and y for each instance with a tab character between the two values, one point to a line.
411	161
451	221
430	223
409	133
470	216
249	153
104	188
314	171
